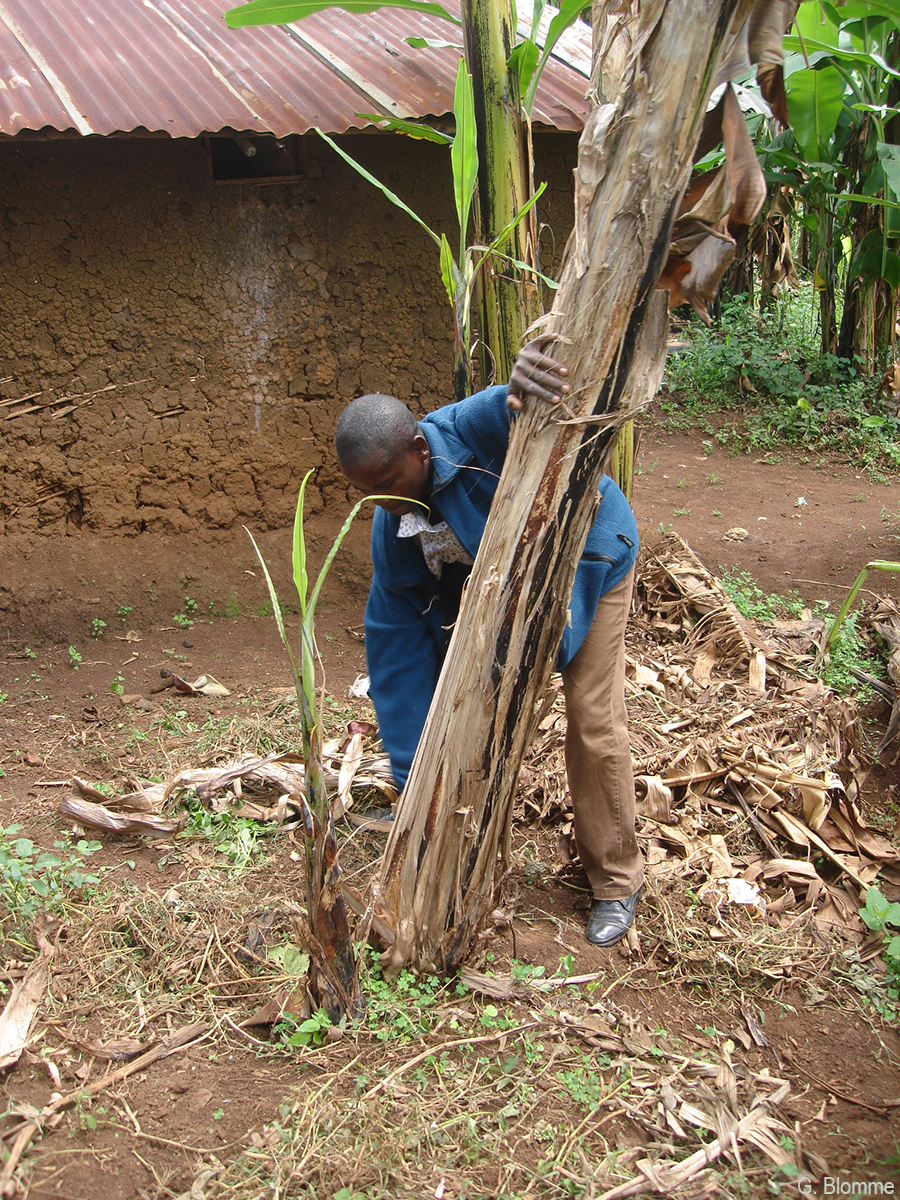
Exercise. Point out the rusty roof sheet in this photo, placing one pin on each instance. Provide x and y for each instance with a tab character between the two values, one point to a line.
114	66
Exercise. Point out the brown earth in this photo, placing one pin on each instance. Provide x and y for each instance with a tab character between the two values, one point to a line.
152	1134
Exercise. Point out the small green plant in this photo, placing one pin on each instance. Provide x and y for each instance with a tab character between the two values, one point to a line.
525	972
584	1084
74	658
186	618
883	916
123	610
117	687
752	602
491	1018
681	512
235	837
29	653
4	696
32	880
311	1032
97	627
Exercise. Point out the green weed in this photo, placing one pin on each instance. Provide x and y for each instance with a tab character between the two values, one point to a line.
584	1084
883	916
311	1032
74	658
881	990
34	880
186	618
755	604
97	627
849	651
401	1009
236	837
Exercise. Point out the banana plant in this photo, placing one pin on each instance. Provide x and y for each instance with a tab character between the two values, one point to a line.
843	89
333	973
459	272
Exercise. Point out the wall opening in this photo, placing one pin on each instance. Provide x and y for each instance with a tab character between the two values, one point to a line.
239	157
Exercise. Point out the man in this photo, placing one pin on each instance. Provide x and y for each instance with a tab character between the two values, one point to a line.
441	474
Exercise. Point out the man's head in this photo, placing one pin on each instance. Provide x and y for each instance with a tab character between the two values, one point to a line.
382	450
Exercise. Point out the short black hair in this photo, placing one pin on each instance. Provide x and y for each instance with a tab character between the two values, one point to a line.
374	428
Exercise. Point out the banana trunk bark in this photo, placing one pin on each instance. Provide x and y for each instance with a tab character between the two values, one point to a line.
440	870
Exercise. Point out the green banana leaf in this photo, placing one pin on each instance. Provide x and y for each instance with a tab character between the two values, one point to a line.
858	10
284	12
383	188
464	151
415	129
815	102
569	12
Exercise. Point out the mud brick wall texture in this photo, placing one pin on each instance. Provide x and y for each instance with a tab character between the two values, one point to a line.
174	353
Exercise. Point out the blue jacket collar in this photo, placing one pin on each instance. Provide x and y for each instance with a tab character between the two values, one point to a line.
449	453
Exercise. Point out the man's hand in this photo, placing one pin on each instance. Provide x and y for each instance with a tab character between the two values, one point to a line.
536	374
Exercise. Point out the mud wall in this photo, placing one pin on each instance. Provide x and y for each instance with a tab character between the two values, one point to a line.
174	353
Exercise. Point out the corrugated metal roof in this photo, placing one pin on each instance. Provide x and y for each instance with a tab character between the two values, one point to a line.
113	66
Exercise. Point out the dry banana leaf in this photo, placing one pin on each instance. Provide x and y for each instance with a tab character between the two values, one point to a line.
98	816
22	1006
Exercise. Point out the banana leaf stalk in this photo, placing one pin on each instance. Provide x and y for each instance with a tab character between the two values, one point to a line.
333	973
877	565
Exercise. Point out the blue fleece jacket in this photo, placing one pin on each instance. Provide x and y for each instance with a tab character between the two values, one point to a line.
410	612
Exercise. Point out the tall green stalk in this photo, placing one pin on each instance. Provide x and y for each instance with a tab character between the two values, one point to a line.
333	973
509	298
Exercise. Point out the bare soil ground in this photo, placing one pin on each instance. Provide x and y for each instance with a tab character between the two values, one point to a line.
164	943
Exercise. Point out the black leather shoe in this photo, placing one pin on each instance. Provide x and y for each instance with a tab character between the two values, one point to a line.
610	920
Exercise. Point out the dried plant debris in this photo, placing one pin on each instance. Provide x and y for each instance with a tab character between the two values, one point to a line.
265	788
745	767
21	1008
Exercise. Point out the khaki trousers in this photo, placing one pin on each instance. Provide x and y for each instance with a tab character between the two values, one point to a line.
598	754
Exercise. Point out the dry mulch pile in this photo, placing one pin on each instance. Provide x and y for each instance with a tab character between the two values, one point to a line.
747	767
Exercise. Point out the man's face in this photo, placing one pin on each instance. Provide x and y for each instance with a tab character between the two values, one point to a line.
406	476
